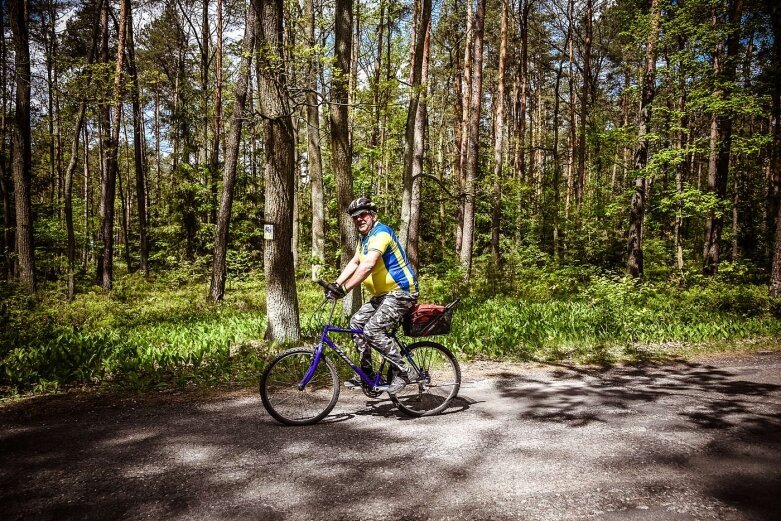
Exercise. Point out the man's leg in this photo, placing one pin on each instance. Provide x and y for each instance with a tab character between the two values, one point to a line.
358	321
393	307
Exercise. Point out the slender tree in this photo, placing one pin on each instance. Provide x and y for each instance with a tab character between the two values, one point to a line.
585	100
5	180
341	148
496	211
724	68
71	169
219	267
22	145
472	165
775	154
139	163
634	265
314	158
415	126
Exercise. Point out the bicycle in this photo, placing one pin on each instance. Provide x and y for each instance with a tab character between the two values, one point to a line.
300	386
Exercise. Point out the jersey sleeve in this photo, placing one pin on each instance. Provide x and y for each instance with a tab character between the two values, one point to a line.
379	242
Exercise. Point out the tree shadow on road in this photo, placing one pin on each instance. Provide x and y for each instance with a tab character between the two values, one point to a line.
741	463
114	457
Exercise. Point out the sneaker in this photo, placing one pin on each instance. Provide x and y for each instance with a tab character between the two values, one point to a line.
354	383
401	379
397	384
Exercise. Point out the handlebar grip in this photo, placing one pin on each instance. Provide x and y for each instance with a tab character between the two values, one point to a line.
323	283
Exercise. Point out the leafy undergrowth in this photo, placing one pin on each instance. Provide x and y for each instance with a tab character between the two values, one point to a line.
163	334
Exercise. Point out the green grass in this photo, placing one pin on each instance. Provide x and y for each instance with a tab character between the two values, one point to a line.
145	335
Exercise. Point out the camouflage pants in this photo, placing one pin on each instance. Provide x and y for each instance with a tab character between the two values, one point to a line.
376	317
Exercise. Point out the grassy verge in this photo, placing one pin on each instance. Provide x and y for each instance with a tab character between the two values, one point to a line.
161	334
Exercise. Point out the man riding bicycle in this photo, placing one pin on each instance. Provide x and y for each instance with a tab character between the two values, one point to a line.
381	264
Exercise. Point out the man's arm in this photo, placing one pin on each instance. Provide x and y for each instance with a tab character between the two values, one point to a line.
357	271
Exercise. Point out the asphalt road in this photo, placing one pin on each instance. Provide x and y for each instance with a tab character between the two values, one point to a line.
695	440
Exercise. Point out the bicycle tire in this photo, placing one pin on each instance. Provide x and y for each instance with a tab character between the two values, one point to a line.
281	396
440	384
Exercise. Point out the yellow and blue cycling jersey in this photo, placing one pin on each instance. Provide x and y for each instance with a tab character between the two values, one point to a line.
393	271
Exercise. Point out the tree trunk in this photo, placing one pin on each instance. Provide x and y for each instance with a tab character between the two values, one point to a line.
214	157
107	195
279	145
88	238
496	211
580	180
775	158
314	158
421	121
341	148
376	92
724	67
415	149
219	269
138	147
415	126
70	171
472	165
572	139
556	163
465	93
22	145
111	153
5	180
634	264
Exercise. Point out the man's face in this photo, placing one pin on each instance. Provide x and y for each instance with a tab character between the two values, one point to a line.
363	222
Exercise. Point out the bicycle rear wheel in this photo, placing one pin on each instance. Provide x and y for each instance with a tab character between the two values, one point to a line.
439	384
288	404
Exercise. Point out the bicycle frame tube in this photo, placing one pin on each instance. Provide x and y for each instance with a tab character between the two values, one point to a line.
325	340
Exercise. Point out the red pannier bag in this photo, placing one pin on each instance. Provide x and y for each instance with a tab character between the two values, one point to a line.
428	320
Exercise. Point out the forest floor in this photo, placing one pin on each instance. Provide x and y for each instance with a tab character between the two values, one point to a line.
680	440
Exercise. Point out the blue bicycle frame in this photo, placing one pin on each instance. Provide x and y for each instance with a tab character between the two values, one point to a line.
325	340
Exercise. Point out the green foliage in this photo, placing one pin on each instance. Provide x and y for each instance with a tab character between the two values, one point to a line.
162	333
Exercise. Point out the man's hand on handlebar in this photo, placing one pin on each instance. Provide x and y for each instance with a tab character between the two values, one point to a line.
334	291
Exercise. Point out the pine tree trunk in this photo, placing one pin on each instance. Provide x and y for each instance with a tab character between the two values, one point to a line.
634	265
5	180
465	93
421	120
496	210
724	68
219	268
22	146
87	196
585	98
341	148
556	164
217	135
279	146
138	147
775	160
415	125
107	188
314	158
112	163
471	171
572	138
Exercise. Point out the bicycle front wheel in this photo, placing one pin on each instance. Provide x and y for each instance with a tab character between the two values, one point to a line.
288	404
439	383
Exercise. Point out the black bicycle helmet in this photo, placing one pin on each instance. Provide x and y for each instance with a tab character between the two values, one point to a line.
362	204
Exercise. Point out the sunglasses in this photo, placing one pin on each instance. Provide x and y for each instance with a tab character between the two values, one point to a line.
361	215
